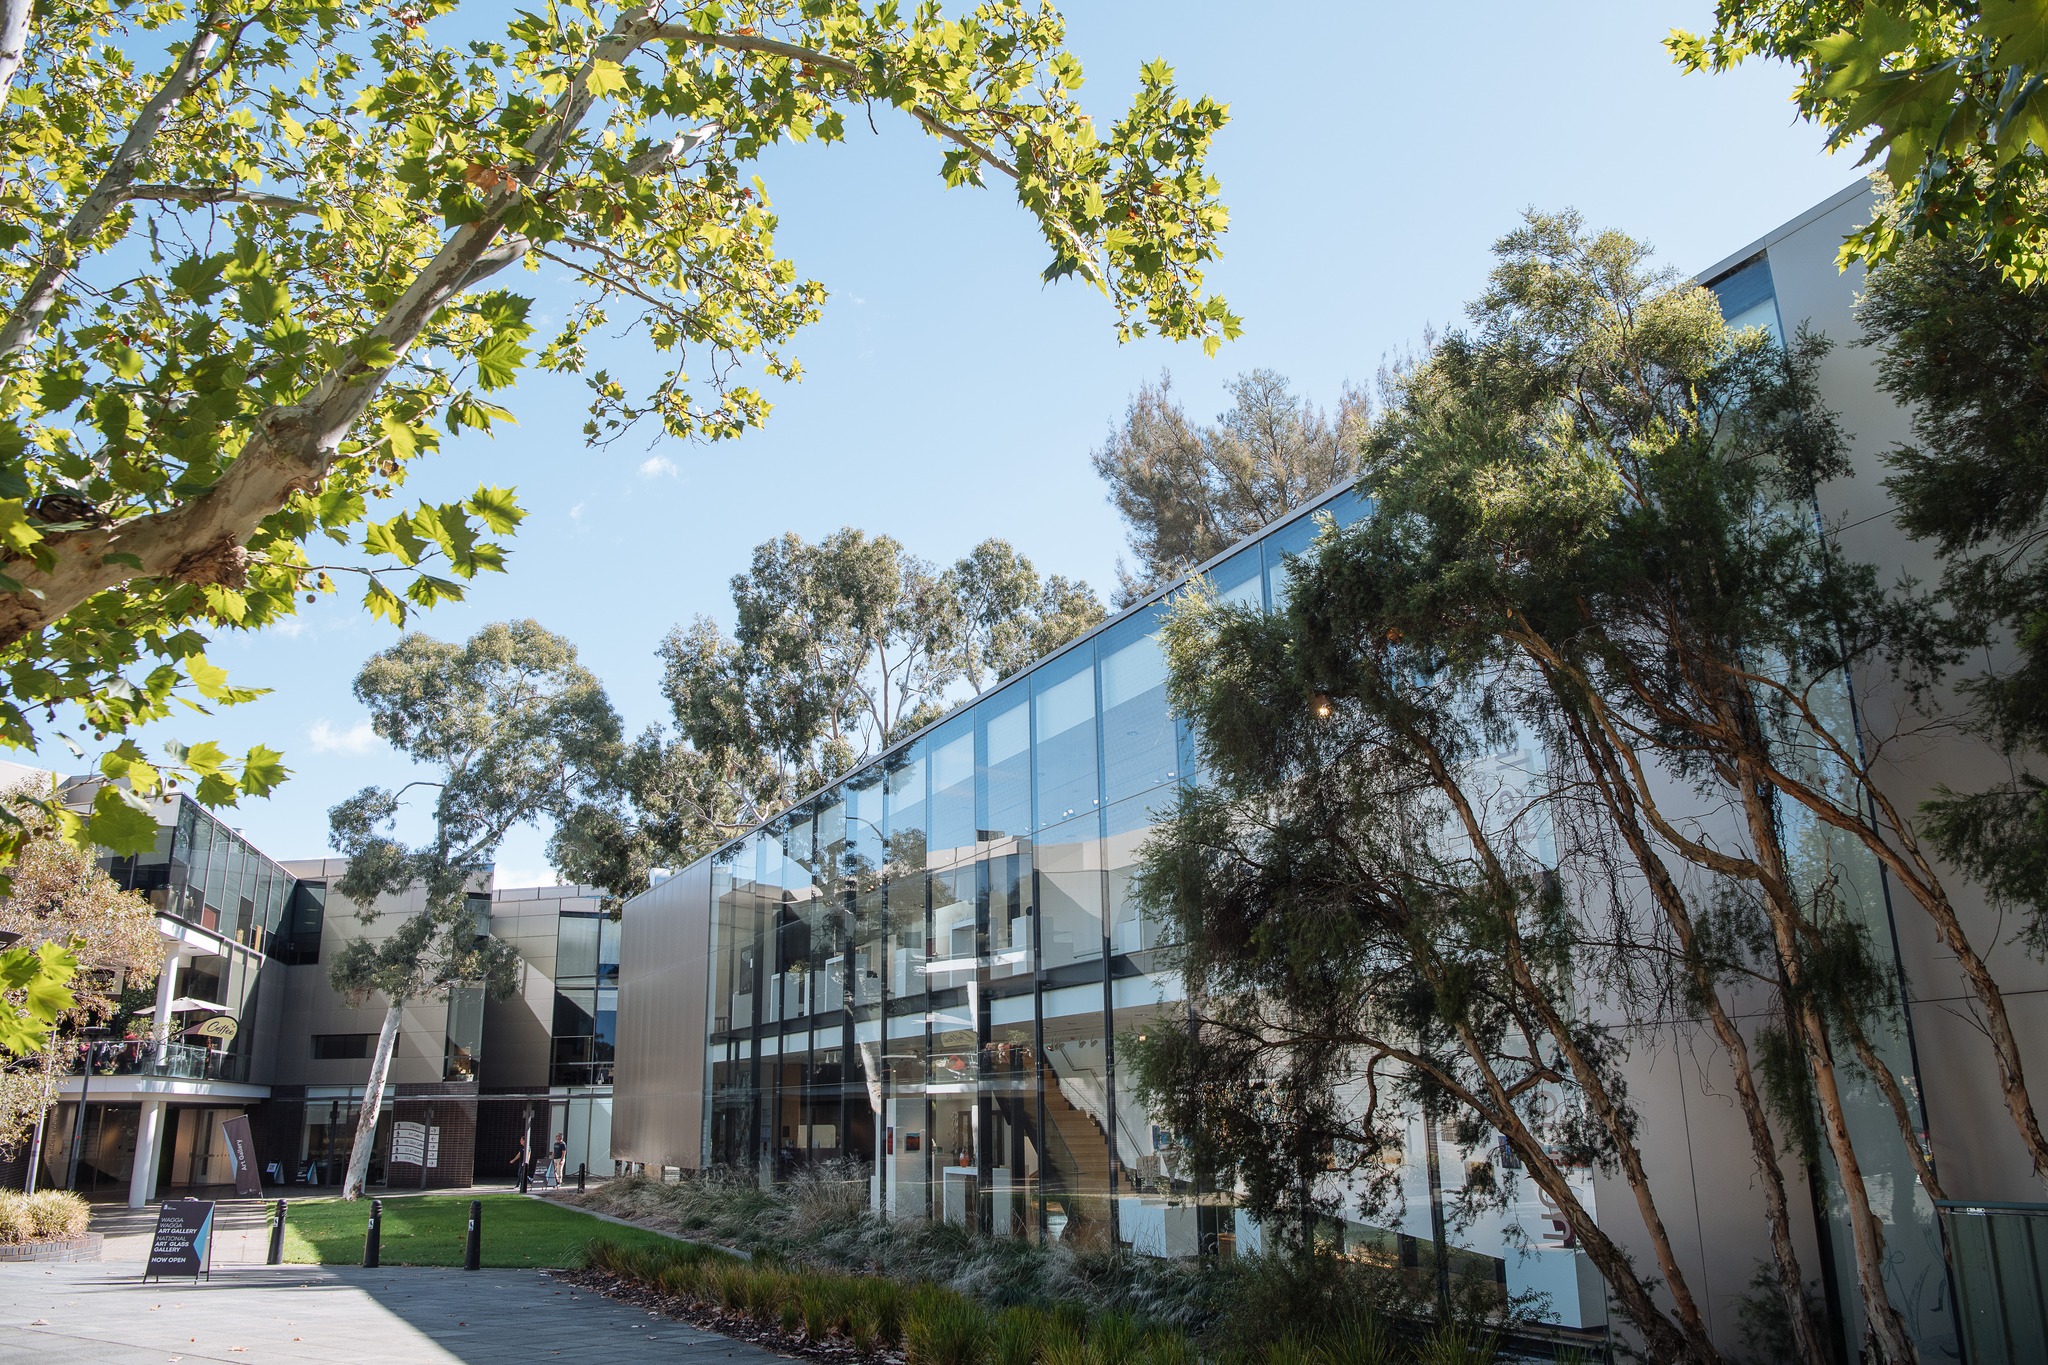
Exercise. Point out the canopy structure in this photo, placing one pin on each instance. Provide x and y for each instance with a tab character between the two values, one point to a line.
185	1004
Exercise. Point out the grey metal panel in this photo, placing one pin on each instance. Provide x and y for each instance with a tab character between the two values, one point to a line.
664	974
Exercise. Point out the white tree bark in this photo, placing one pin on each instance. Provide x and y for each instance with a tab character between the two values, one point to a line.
13	42
373	1100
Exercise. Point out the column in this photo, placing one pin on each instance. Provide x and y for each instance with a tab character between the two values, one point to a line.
166	992
148	1137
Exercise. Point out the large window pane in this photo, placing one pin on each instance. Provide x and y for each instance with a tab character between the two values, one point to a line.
1293	538
1004	722
1241	579
1075	1178
952	833
1130	824
1063	712
1140	748
1070	892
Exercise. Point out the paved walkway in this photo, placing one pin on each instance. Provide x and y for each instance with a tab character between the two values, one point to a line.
104	1315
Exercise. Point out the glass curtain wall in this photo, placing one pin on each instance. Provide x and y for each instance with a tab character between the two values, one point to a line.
926	970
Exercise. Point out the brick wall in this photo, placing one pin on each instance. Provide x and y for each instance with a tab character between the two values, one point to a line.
451	1107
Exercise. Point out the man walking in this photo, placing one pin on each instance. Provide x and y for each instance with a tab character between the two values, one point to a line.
558	1163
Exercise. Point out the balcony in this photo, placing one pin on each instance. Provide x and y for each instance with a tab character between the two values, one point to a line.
142	1057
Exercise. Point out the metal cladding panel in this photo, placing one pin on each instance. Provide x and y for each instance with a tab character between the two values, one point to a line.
664	974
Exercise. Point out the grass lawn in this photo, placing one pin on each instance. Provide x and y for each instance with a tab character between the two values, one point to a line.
429	1230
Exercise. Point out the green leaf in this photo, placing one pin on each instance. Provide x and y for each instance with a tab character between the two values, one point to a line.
262	771
120	821
606	78
211	681
497	509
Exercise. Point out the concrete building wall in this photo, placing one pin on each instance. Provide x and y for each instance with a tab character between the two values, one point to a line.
312	1006
664	979
518	1032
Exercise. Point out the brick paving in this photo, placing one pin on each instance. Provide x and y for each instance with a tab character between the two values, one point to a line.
334	1315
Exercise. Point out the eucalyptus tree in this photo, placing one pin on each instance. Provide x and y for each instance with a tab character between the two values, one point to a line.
249	278
1959	346
513	731
1369	919
1621	491
1188	492
1952	96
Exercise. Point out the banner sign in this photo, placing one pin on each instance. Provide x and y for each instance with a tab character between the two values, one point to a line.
220	1026
184	1239
242	1157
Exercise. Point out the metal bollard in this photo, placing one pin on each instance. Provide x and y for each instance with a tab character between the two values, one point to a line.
473	1248
373	1241
525	1169
276	1256
582	1172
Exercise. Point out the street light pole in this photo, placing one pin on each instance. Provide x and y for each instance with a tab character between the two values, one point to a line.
78	1124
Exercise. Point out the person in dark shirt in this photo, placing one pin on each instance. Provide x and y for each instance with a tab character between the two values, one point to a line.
558	1165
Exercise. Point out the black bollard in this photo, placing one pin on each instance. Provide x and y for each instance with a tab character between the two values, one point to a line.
525	1169
473	1248
276	1256
373	1241
582	1173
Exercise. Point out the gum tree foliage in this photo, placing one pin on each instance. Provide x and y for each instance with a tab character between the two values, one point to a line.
1622	492
1961	348
1364	928
1593	514
516	732
1952	94
1189	492
250	270
839	649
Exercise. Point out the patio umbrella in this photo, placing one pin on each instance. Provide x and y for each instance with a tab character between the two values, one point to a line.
185	1004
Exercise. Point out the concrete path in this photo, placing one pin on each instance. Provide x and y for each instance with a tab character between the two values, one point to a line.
103	1315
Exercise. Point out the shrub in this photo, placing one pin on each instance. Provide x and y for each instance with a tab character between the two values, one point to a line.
1014	1337
42	1216
1451	1345
1116	1340
861	1331
941	1328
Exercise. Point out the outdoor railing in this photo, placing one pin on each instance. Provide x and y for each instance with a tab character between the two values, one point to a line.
143	1057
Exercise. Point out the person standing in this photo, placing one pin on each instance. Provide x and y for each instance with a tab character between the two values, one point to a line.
558	1162
520	1159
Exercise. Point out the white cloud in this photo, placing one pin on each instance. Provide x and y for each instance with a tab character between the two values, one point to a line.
655	466
356	739
505	878
576	512
292	627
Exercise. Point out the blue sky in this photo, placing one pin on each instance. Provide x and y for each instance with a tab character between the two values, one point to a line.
1374	153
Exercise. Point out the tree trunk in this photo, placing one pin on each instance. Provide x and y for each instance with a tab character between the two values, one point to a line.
373	1100
1887	1331
14	15
1809	1343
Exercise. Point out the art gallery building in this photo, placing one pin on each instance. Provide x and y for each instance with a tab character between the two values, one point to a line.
922	975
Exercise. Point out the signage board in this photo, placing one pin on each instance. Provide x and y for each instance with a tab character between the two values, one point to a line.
220	1026
415	1144
184	1239
242	1157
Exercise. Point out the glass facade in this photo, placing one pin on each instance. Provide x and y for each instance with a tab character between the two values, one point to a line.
210	877
586	1003
923	972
